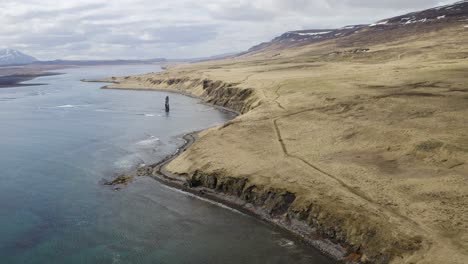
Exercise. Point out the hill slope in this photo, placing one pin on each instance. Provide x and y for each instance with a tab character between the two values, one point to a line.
431	18
359	139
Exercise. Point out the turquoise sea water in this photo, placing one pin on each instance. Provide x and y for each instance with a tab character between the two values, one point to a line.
59	141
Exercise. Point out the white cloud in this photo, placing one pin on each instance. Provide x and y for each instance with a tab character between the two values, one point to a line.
101	29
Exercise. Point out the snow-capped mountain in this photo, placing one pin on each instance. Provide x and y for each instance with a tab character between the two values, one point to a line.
14	57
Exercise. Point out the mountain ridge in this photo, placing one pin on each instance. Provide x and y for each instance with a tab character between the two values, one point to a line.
433	17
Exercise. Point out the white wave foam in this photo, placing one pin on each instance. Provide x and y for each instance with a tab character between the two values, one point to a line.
71	106
286	243
148	142
203	199
65	106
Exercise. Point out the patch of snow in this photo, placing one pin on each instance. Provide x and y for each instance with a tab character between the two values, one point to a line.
348	27
405	18
11	56
314	33
441	17
378	24
466	26
417	21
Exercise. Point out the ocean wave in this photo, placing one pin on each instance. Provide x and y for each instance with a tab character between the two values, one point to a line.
70	106
286	243
150	115
152	141
203	199
65	106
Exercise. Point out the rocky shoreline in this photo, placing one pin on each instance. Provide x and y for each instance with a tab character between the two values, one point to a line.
308	222
230	193
271	207
334	148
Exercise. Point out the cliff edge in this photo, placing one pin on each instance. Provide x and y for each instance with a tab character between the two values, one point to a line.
359	140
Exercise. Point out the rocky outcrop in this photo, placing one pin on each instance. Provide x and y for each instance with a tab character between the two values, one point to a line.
228	95
347	239
277	206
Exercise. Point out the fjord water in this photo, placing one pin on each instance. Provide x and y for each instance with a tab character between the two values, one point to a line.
59	141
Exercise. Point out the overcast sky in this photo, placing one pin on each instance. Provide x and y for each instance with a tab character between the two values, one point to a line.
137	29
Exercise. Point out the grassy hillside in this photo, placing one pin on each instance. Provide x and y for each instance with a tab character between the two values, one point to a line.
368	131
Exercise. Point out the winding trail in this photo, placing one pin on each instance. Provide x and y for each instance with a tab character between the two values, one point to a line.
359	194
278	96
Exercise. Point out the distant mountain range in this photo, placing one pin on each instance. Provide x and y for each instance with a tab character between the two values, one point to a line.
10	57
98	62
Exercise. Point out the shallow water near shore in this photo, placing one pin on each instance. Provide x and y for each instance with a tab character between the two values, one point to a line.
59	141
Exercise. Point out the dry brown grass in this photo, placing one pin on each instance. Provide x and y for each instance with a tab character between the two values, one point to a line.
378	140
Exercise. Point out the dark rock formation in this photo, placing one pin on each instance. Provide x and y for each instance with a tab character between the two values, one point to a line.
166	105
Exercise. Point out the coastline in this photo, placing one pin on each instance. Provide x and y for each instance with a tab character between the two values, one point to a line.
162	175
345	152
158	172
173	91
16	80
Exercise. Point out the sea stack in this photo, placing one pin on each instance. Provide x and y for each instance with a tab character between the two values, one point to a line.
167	104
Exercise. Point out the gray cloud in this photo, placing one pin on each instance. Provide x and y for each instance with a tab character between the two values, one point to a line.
239	11
394	4
61	11
101	29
